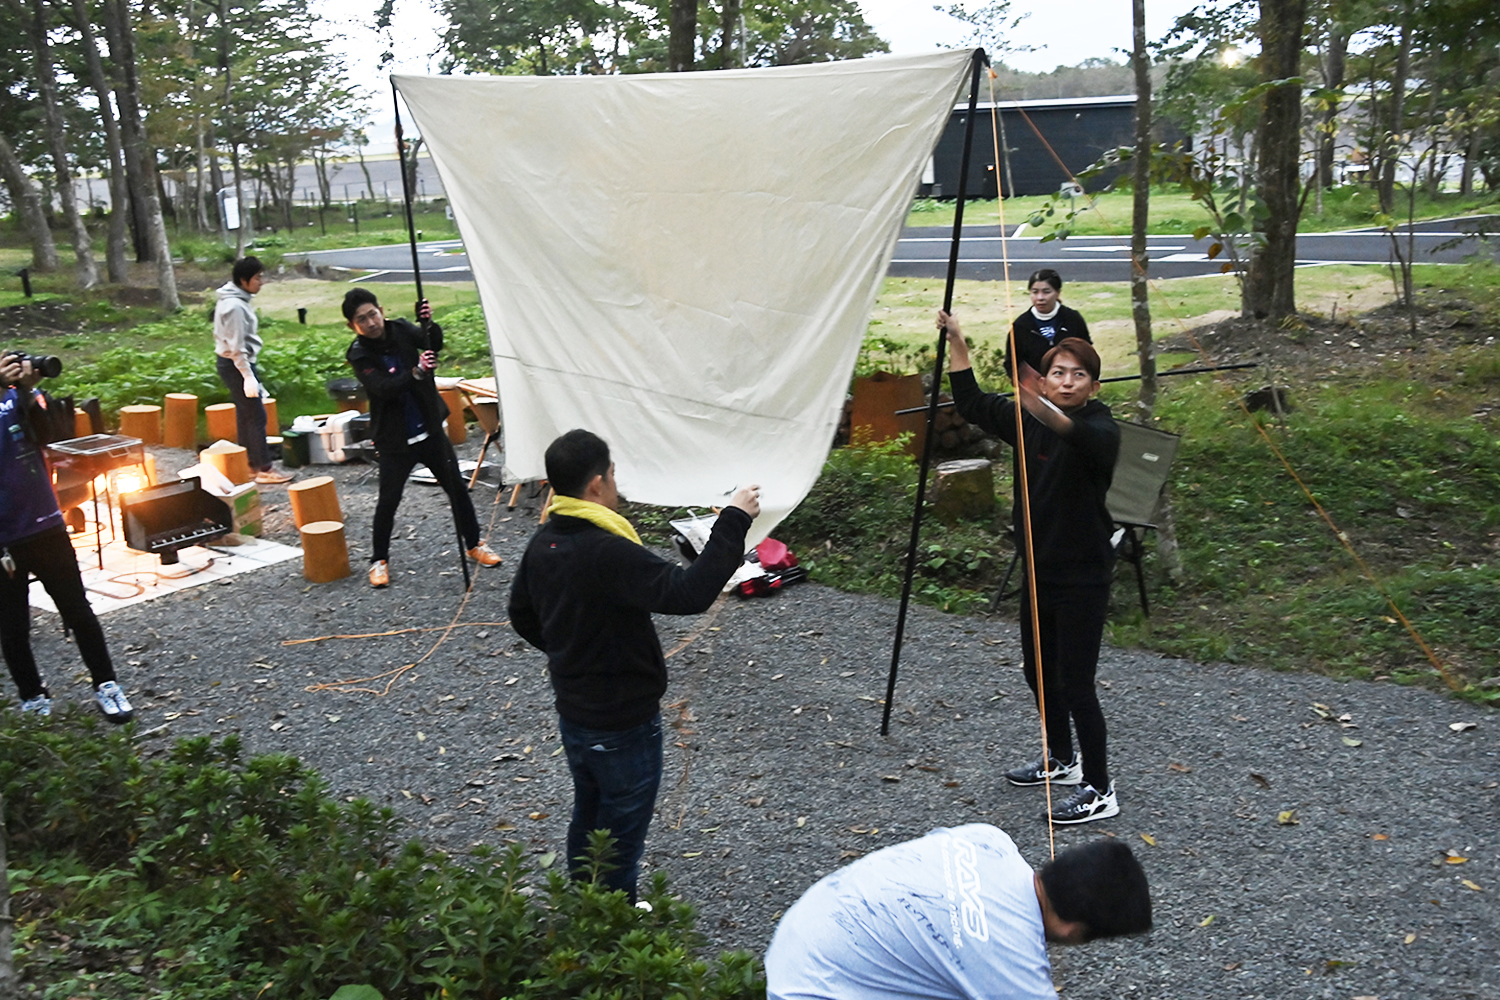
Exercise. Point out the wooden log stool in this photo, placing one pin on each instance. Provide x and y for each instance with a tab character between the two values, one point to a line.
230	459
221	422
142	422
273	421
181	420
314	499
458	431
83	425
325	554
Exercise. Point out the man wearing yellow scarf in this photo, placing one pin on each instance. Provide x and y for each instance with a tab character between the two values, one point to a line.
584	595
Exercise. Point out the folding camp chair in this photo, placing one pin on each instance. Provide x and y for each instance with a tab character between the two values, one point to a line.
1142	470
482	400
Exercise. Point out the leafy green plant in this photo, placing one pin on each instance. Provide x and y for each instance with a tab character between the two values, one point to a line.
199	874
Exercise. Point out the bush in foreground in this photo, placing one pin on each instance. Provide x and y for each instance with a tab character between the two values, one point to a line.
199	875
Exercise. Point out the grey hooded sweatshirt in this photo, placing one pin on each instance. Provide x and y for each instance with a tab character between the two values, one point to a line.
236	329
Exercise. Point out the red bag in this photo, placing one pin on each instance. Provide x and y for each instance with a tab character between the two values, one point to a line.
774	556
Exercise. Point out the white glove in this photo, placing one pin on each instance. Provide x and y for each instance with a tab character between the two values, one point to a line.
252	387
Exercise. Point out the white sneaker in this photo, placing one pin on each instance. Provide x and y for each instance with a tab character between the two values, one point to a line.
1086	805
40	705
113	703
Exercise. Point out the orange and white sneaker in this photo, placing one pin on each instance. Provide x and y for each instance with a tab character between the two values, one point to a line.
380	574
484	555
271	477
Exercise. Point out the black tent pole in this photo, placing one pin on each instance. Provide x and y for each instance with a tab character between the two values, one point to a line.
416	270
980	61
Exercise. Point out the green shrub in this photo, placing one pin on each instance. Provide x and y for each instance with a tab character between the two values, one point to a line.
198	874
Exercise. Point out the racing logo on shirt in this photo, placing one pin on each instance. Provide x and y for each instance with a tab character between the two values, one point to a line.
965	904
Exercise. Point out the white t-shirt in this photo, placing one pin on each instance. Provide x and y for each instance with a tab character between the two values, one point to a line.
953	914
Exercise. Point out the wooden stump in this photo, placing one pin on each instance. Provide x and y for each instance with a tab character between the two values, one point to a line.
314	499
273	420
458	431
964	490
221	422
181	420
83	426
325	554
230	459
142	422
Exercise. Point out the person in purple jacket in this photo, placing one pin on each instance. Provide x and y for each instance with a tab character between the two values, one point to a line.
33	542
584	595
1071	446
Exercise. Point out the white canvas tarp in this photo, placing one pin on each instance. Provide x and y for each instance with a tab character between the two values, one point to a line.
684	263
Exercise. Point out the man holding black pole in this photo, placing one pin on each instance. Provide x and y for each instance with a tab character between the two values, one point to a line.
395	361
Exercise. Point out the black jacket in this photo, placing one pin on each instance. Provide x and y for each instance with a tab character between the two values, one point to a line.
1068	481
386	387
1031	343
584	596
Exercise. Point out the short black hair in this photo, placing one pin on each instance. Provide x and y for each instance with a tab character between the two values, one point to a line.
356	297
573	461
1080	349
246	268
1102	886
1048	275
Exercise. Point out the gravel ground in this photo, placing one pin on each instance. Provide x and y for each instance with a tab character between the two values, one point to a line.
776	773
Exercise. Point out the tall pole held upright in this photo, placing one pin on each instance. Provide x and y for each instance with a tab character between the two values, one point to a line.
980	61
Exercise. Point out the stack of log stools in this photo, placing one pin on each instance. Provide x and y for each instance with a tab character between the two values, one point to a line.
316	511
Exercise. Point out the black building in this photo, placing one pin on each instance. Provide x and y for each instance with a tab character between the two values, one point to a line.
1078	129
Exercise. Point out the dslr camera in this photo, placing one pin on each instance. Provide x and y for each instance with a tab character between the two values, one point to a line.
45	365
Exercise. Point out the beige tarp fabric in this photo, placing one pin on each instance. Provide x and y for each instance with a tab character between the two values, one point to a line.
684	263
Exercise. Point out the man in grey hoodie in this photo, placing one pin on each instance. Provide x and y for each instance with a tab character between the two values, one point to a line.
237	342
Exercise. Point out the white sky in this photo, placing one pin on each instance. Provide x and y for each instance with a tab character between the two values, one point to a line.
1065	32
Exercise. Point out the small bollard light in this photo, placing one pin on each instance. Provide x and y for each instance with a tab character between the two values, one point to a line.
302	316
25	274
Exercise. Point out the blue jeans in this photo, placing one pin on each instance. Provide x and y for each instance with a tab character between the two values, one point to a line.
249	415
615	777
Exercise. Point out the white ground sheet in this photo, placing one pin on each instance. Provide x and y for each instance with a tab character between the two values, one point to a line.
684	263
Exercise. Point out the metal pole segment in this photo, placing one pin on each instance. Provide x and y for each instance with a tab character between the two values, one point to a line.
980	60
416	270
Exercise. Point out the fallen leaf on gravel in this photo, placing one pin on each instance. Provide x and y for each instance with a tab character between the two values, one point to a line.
1410	938
506	756
1381	836
1459	727
950	784
504	826
1231	966
1471	885
421	737
709	829
692	854
1260	780
1206	920
1149	839
277	727
511	680
889	777
1288	817
774	677
759	800
426	799
1351	742
1322	711
1454	858
801	820
520	777
1183	768
332	718
406	793
537	815
546	860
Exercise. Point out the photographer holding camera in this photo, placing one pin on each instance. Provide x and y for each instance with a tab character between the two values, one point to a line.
33	542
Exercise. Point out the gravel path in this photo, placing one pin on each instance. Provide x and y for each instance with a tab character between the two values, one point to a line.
776	773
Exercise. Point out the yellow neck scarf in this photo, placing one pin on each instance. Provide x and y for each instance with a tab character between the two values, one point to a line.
594	513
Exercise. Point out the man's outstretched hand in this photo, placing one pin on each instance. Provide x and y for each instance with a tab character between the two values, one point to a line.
747	499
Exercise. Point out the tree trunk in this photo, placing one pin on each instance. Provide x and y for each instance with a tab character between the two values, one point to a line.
119	189
1333	79
682	36
133	130
239	199
28	201
1269	289
1392	140
57	143
1471	157
731	10
7	962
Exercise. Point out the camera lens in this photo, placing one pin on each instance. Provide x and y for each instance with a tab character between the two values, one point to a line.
47	365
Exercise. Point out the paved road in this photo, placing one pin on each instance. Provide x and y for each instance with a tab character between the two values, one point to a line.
922	252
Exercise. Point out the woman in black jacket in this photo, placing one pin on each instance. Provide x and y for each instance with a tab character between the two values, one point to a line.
1046	324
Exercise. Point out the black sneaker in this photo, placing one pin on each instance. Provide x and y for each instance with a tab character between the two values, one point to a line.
1058	773
1087	805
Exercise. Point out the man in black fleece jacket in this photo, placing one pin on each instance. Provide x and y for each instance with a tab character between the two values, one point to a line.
1071	443
584	595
